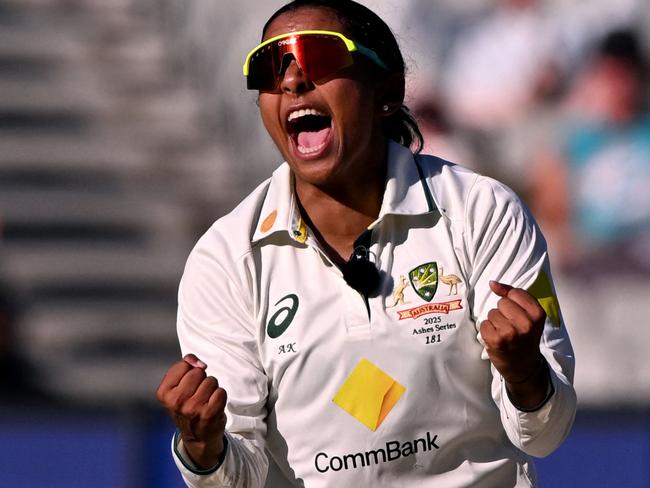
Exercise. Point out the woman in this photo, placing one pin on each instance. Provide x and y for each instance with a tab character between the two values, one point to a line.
597	204
296	303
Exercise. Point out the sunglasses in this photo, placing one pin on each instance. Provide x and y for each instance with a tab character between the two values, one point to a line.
319	54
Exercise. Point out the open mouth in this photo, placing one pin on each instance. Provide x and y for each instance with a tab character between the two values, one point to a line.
310	130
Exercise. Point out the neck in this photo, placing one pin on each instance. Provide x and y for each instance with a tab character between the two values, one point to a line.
339	215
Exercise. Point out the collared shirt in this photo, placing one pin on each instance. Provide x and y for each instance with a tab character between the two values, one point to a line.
338	389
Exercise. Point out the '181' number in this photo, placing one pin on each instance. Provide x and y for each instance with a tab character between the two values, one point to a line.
433	339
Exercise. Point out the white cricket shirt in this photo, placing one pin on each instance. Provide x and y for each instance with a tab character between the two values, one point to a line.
392	391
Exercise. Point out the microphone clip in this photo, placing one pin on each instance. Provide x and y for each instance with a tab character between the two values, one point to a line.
359	272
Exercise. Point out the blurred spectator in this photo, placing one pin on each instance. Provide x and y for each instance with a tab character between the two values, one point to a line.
500	64
592	192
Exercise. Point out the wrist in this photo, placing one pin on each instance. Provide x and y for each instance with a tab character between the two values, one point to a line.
534	369
533	391
204	457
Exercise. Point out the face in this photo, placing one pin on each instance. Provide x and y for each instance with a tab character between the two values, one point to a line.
329	131
613	90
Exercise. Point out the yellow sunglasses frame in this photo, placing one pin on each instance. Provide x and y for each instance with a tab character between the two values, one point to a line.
349	44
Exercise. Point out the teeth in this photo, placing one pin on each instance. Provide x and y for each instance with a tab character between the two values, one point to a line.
309	150
296	114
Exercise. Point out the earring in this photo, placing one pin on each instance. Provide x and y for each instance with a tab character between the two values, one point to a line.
385	108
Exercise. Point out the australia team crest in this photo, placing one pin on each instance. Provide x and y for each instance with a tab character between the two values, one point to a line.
424	280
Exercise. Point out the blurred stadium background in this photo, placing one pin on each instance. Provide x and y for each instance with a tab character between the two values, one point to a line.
125	130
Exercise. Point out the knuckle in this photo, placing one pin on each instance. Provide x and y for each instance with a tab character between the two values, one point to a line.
539	314
223	399
518	293
209	414
167	399
494	348
215	414
176	404
218	400
498	343
188	409
178	401
525	297
494	341
507	337
179	366
525	324
196	373
211	382
485	326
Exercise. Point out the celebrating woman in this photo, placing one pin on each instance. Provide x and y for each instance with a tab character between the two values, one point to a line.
368	316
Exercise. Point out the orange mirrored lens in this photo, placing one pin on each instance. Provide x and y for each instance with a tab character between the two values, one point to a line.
317	55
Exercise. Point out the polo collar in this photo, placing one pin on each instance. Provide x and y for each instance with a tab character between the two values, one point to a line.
280	211
406	193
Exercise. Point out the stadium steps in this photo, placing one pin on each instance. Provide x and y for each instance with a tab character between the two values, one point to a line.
95	231
108	350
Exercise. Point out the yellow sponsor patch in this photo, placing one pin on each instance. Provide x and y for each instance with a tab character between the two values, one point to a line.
368	394
543	291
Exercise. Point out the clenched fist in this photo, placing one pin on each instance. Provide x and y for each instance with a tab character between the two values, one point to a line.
512	333
196	404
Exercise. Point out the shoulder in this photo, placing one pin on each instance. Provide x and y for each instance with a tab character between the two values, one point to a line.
460	192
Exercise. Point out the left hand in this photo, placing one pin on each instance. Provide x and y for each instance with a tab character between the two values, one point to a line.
512	333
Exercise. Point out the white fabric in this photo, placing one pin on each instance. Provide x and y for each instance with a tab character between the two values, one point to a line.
281	390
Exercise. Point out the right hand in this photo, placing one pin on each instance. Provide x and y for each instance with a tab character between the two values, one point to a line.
196	404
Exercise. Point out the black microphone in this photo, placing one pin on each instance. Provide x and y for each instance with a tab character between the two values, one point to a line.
359	272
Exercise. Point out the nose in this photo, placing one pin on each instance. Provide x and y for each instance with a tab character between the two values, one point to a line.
294	79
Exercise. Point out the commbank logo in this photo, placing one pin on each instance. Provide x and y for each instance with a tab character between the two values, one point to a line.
368	394
391	451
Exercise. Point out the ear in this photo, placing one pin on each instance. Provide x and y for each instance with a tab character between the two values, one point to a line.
390	94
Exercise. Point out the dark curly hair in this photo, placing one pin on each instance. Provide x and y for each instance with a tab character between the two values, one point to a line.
370	30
